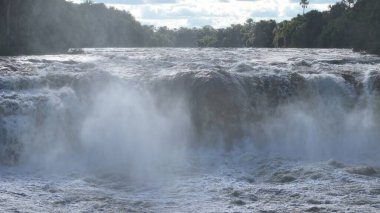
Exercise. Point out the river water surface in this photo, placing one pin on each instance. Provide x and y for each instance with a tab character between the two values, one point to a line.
190	130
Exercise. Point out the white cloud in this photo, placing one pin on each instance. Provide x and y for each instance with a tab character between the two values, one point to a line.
218	13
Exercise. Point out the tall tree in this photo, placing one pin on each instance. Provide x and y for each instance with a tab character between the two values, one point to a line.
263	33
350	3
304	4
88	2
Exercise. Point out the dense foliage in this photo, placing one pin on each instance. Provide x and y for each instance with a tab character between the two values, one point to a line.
348	24
40	26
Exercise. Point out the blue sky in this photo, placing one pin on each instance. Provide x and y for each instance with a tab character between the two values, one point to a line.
217	13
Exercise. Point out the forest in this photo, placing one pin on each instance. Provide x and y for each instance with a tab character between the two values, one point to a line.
54	26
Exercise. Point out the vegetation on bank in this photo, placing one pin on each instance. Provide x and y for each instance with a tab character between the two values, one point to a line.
40	27
348	24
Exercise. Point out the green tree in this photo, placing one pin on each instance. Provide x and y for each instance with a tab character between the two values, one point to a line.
301	31
350	3
230	36
337	10
41	27
88	2
304	4
263	33
365	26
248	33
336	34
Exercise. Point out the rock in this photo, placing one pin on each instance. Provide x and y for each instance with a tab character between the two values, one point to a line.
296	195
238	202
75	51
236	194
363	170
282	178
375	191
361	202
335	164
253	198
314	209
247	179
315	202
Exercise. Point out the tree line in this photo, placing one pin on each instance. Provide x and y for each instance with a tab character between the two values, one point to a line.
53	26
41	27
347	24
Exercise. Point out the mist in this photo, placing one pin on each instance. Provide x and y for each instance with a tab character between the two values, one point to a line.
117	129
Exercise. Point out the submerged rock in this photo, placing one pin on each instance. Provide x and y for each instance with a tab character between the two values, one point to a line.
315	202
236	194
375	191
363	170
238	202
314	209
75	51
335	163
247	179
282	178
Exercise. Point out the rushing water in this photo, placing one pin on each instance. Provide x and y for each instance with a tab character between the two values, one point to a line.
190	130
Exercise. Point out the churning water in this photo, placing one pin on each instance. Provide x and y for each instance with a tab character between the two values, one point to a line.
190	130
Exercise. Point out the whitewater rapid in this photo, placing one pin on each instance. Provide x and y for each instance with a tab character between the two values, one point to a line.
190	130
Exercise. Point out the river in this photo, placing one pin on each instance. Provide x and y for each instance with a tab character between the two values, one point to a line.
190	130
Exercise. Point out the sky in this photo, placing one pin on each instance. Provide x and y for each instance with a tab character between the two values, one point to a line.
217	13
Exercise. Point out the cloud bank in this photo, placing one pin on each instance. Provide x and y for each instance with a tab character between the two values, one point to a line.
217	13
